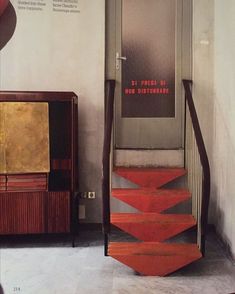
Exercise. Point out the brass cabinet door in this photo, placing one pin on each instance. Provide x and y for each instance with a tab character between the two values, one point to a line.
24	137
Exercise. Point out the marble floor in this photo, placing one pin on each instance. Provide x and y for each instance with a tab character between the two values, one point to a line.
40	267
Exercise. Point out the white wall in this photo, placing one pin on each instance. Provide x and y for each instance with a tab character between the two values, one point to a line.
224	135
61	51
214	88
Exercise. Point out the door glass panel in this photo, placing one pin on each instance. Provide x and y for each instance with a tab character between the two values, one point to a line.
148	74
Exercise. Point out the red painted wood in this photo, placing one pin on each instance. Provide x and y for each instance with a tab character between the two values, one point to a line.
3	5
26	182
150	177
152	226
150	257
147	200
154	259
3	183
61	164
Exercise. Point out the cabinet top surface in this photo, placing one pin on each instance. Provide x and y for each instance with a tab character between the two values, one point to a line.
8	96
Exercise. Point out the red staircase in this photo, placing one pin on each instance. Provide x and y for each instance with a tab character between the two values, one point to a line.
154	254
151	257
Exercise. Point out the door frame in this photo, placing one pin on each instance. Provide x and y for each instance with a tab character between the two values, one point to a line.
183	56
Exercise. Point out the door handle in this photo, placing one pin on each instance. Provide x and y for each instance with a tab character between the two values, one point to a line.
118	59
122	58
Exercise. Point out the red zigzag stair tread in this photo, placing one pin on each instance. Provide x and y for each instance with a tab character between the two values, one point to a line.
152	226
149	200
150	177
154	259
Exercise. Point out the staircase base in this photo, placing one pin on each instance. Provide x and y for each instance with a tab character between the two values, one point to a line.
152	258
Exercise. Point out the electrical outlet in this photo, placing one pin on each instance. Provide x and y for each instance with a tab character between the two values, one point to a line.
91	195
82	195
87	195
82	211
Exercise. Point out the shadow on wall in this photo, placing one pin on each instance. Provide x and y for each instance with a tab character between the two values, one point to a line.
222	186
1	290
7	22
90	157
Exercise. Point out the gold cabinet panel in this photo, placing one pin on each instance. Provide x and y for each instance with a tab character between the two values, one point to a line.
24	137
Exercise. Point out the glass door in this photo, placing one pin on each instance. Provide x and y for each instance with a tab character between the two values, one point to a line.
149	37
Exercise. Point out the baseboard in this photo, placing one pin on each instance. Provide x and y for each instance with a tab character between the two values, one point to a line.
96	227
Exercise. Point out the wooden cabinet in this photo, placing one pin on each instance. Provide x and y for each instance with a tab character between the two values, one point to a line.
52	210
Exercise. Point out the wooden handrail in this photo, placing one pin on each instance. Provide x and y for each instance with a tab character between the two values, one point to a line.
109	106
204	161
